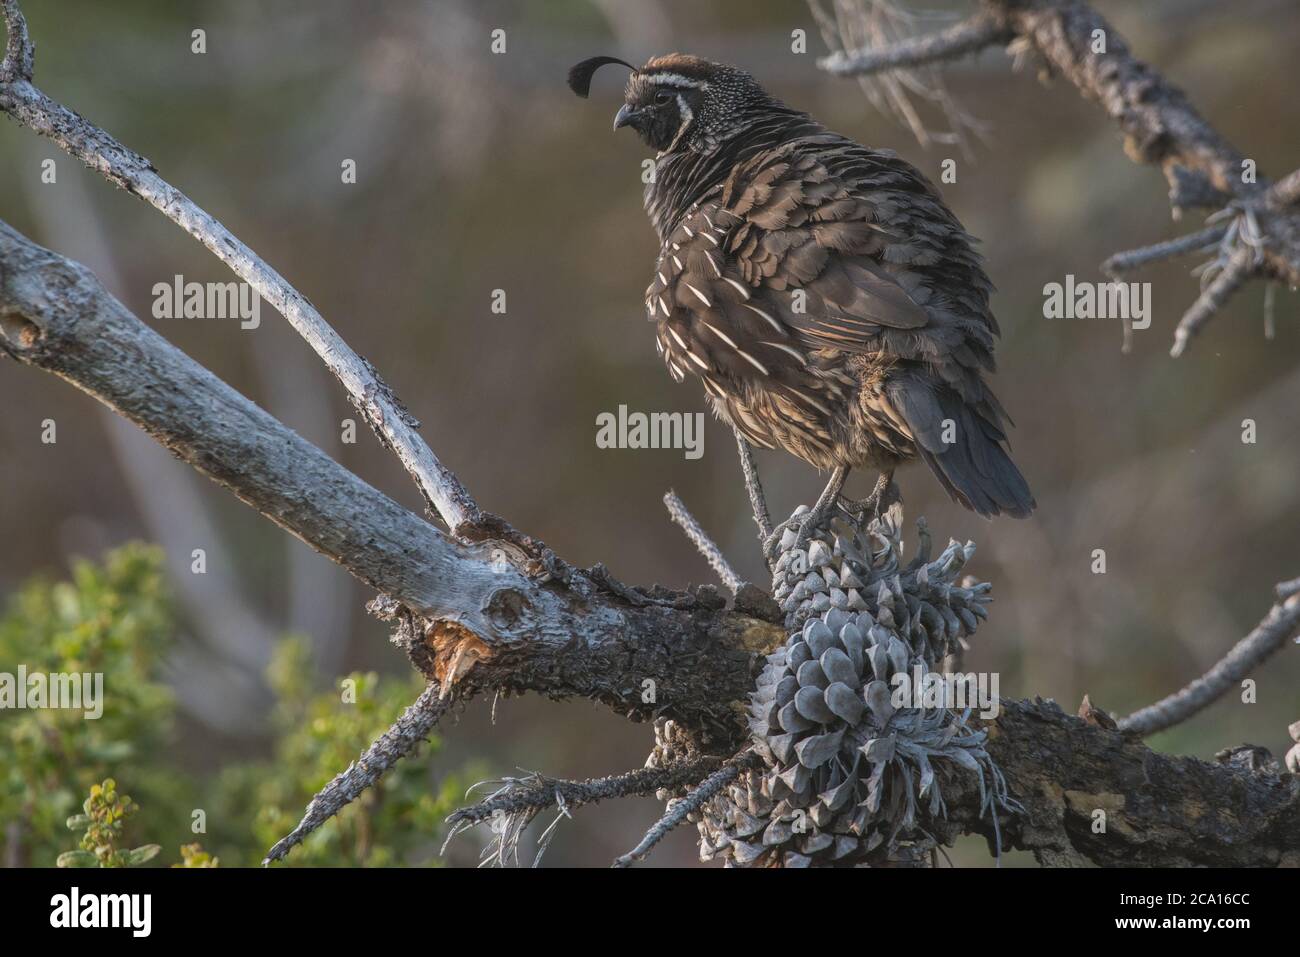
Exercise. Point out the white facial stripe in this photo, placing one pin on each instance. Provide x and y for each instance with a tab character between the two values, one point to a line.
676	79
686	116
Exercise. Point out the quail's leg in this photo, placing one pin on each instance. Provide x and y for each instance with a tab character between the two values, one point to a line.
875	503
808	521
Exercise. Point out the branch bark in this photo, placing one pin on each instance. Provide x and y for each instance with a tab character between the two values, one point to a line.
1160	125
1278	626
1160	810
482	622
968	36
125	168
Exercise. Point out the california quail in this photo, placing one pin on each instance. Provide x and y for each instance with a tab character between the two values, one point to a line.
825	295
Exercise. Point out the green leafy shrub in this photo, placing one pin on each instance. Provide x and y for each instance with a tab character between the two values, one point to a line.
112	618
103	818
193	855
116	618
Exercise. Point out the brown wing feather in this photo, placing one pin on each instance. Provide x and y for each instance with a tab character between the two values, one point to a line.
868	260
810	234
713	322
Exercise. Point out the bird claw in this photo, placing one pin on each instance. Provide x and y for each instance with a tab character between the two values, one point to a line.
861	511
875	505
803	524
772	544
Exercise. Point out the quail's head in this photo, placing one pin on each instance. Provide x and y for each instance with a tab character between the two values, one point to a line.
676	100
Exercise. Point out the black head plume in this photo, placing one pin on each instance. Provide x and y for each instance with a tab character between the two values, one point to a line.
580	73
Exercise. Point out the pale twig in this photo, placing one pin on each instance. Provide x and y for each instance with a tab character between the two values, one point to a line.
692	802
960	39
711	552
408	732
1229	280
874	26
19	51
514	805
1270	316
99	151
1131	259
1281	623
538	792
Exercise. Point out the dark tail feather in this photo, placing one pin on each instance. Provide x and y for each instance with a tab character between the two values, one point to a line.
1004	493
975	469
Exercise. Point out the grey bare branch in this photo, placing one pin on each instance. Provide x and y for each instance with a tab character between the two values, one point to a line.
699	538
679	810
99	151
969	36
410	730
537	792
517	801
55	315
1201	241
1160	126
1281	623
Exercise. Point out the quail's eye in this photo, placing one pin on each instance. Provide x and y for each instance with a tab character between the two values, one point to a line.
662	97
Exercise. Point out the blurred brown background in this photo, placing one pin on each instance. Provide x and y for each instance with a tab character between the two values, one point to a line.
479	172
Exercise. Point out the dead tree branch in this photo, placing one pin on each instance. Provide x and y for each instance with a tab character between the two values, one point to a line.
969	36
679	809
858	36
536	792
1161	127
391	422
1281	623
1161	810
1239	268
410	731
477	610
514	805
699	538
1199	242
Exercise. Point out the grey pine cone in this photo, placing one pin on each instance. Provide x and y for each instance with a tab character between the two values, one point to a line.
856	570
849	776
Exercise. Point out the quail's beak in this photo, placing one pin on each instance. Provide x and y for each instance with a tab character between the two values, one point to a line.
626	116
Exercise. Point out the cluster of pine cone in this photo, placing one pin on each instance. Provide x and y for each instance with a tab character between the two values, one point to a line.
856	570
848	777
